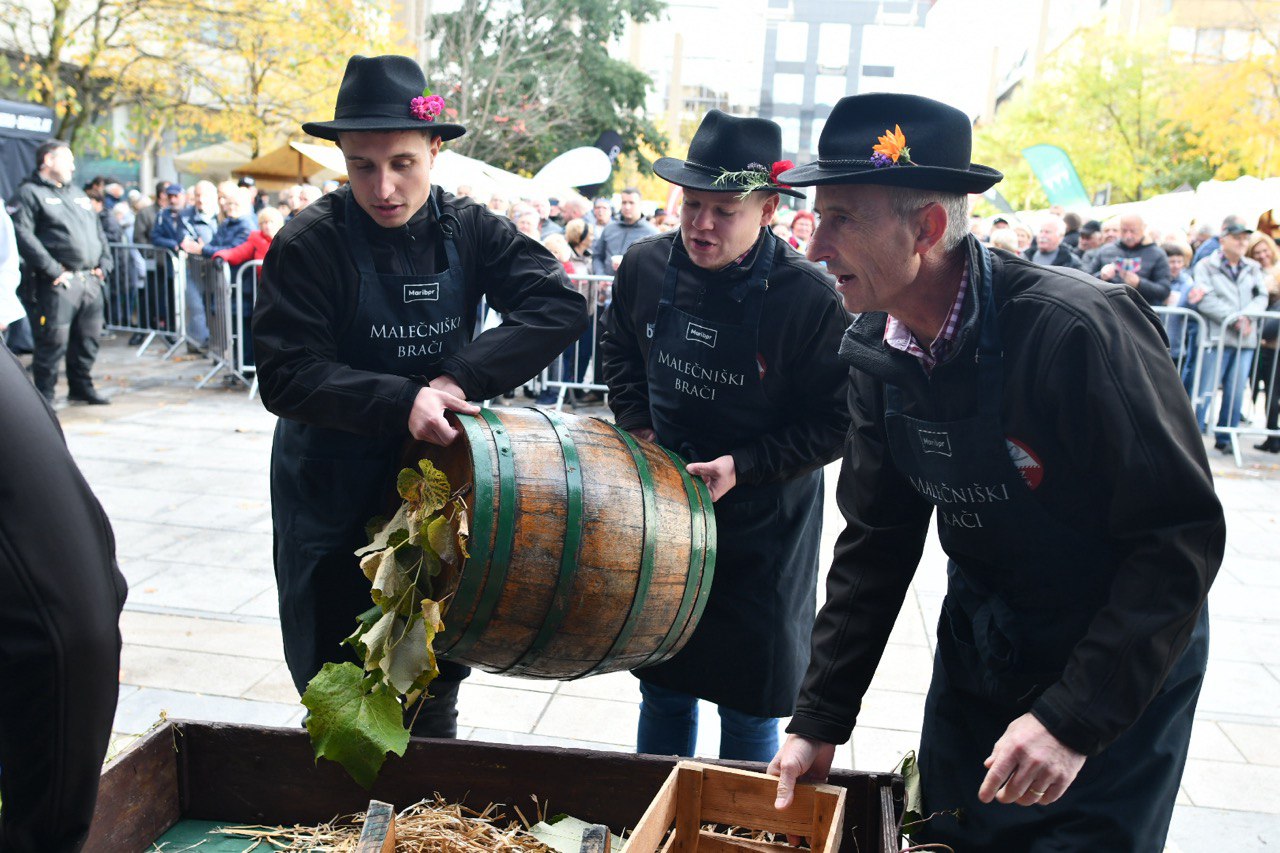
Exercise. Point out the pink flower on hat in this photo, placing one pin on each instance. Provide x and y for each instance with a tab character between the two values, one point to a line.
426	106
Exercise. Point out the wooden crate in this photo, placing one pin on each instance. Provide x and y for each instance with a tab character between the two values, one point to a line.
696	794
257	775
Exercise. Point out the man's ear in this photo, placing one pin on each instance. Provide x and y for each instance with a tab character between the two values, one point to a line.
769	209
931	226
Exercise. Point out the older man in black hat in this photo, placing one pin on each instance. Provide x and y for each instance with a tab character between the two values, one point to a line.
365	335
721	345
1037	412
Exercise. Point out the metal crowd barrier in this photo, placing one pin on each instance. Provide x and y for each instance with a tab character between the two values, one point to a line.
1231	376
578	367
1188	333
146	295
226	310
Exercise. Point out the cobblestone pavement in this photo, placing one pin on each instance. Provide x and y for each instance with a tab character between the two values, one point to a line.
183	476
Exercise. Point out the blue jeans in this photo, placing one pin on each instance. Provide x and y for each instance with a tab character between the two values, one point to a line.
669	726
1233	375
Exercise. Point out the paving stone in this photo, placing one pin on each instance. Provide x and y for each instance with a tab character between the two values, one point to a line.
276	686
880	750
264	605
1208	741
499	736
1230	785
1204	830
891	709
196	587
904	668
1258	744
197	672
1254	572
1243	640
1240	689
486	707
536	685
186	633
141	710
573	716
613	685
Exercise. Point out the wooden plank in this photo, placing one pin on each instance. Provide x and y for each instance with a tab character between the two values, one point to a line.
656	820
688	807
828	822
742	798
710	842
888	821
138	795
378	835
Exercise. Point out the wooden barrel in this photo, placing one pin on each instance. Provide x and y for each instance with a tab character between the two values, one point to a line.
591	551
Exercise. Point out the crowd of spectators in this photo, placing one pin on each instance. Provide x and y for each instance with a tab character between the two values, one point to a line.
1214	271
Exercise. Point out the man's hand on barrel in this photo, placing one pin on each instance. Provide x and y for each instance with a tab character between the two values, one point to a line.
720	475
427	421
645	433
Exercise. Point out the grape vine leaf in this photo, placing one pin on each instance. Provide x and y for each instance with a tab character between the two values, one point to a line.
387	534
427	492
351	726
913	808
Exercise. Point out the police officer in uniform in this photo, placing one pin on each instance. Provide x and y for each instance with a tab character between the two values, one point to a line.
61	241
721	345
364	337
1036	411
60	599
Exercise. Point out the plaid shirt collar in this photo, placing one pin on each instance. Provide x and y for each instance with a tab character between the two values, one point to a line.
898	336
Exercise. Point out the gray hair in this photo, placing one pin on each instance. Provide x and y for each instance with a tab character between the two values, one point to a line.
905	201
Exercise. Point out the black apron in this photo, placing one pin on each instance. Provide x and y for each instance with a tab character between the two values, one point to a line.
751	647
326	484
1022	590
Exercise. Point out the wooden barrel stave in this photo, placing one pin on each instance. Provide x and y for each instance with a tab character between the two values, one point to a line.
548	615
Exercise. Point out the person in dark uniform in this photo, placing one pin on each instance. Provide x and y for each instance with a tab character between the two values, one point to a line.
1036	411
363	332
61	594
60	239
721	345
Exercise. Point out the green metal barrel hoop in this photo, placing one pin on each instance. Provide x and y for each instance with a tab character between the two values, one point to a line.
709	563
481	527
496	576
647	557
572	545
697	559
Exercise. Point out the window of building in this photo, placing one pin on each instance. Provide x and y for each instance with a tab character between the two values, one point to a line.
790	133
1182	39
788	88
1209	42
828	88
793	41
1236	45
833	45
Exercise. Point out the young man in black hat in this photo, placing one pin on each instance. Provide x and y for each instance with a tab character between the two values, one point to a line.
721	345
363	332
1037	411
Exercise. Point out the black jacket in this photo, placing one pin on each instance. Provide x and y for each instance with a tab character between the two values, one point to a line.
803	320
57	229
1154	277
1064	258
308	296
1089	384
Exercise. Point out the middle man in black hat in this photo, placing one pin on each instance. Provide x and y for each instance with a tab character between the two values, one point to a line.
721	345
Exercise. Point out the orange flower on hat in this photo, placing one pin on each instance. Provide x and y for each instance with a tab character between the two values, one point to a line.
893	146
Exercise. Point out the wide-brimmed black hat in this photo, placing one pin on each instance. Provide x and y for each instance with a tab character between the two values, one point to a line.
377	94
896	140
729	154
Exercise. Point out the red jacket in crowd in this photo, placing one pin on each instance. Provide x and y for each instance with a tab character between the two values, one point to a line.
253	249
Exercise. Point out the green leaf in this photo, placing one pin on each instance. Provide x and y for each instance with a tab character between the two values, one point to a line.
391	533
441	539
409	657
351	726
372	641
427	492
393	579
913	809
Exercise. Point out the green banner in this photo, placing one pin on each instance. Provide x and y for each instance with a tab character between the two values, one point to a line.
1053	169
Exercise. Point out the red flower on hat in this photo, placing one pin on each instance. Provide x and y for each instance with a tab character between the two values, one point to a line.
778	168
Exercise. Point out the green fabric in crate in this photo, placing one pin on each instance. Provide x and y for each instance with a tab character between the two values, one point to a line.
186	834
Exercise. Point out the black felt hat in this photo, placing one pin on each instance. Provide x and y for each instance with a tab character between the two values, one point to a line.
377	95
896	140
729	154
